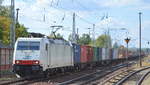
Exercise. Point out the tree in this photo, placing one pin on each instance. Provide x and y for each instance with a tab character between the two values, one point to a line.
115	45
103	41
5	22
5	11
21	31
84	40
70	38
4	28
1	34
58	36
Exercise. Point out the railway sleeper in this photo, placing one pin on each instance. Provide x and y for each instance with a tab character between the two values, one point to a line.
112	81
117	78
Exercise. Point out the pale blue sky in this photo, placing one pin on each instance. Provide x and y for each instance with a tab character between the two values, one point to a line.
122	14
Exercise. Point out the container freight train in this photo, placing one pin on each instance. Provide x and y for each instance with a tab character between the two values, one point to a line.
34	55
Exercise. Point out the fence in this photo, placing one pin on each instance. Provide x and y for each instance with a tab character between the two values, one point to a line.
6	56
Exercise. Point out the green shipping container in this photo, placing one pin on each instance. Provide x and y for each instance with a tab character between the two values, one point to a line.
96	54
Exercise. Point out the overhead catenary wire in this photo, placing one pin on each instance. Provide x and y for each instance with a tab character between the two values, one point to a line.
70	13
73	1
79	17
58	2
79	4
84	20
51	3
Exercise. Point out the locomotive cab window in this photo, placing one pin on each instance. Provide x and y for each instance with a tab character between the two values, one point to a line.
28	45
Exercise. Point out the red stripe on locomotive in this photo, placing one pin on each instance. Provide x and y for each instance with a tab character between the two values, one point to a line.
27	62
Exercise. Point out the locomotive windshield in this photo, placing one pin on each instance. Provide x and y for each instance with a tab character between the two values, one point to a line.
28	45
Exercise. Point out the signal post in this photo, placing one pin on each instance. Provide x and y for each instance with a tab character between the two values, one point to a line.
127	41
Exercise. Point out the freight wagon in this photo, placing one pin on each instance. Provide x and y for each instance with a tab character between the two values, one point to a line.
86	54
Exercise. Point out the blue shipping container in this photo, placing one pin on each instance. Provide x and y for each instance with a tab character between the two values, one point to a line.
76	53
100	54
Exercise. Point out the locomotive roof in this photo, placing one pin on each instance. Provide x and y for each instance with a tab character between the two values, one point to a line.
59	41
28	39
51	40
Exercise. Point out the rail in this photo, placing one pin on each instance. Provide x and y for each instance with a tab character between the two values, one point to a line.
89	77
128	76
142	78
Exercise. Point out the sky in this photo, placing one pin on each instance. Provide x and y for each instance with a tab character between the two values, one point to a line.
40	15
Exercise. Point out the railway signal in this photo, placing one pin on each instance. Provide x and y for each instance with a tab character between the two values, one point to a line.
127	41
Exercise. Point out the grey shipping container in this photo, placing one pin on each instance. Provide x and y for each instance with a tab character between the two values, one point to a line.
105	54
76	53
115	53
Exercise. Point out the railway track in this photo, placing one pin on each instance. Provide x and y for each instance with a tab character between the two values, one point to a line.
35	79
86	79
142	78
113	77
89	78
135	77
23	81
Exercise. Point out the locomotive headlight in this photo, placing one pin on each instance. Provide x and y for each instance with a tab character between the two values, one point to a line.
17	62
36	62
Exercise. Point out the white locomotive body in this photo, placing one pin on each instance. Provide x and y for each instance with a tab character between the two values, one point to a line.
41	54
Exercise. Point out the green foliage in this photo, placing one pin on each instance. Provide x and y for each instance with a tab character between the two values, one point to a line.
115	45
5	23
70	37
1	33
4	11
103	41
21	31
84	40
58	36
4	28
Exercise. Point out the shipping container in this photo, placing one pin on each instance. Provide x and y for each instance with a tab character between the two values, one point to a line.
76	53
115	53
100	54
105	54
111	53
121	53
95	54
86	54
